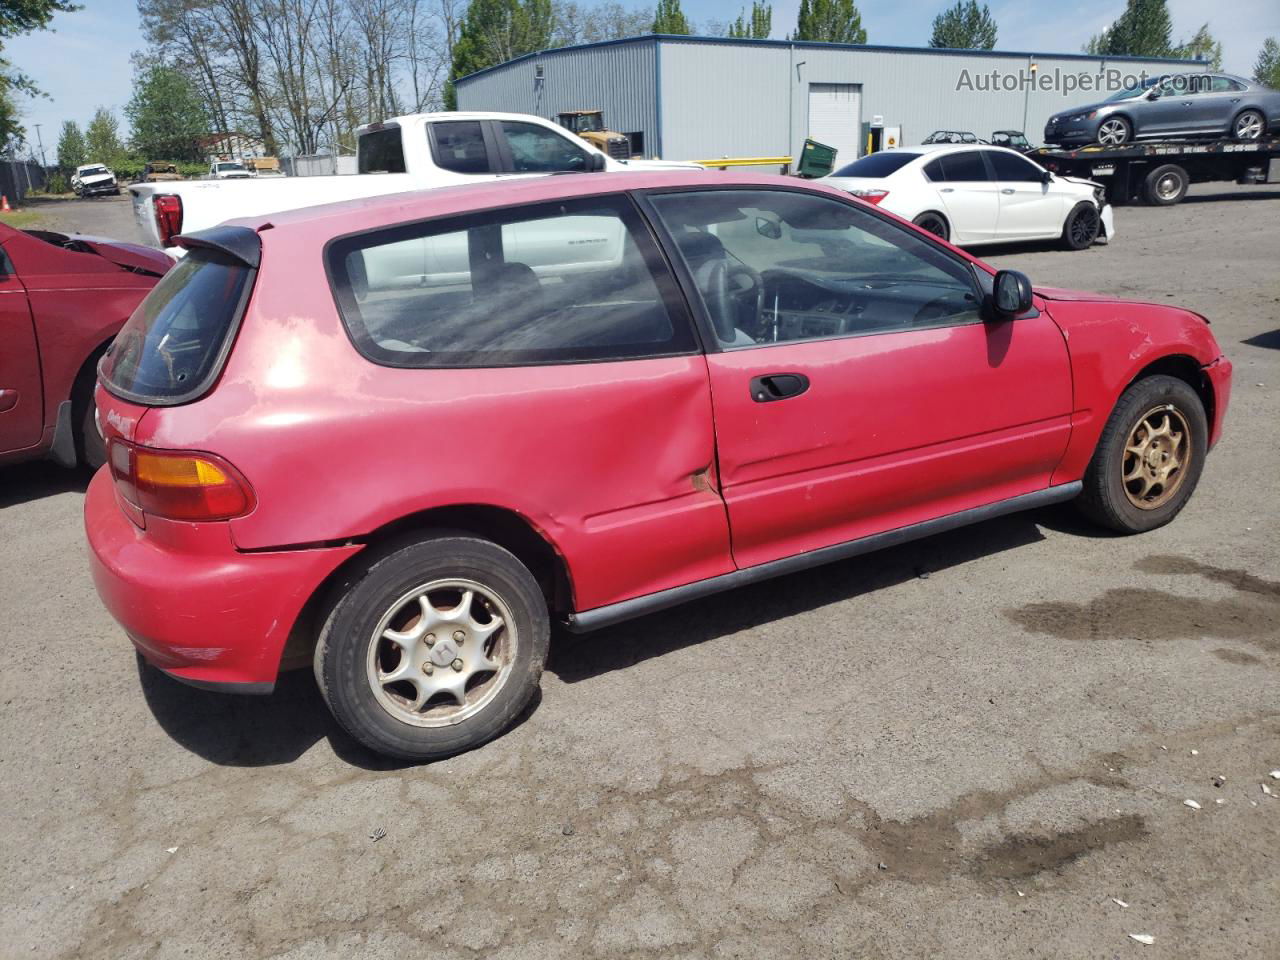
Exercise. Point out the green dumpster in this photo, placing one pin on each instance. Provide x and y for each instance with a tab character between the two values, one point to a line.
816	160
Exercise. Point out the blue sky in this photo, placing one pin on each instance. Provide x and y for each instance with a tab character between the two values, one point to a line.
85	62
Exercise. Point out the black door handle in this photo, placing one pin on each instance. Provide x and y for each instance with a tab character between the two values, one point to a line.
778	386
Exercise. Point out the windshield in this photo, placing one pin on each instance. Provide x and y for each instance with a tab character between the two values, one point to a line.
231	166
172	344
590	123
92	171
877	164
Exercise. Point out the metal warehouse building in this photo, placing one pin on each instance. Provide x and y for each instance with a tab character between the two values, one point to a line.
696	98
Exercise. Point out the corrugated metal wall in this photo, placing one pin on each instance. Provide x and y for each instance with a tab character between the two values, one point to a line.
719	98
616	78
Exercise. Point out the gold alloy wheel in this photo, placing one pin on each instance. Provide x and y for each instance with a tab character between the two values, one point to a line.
1156	457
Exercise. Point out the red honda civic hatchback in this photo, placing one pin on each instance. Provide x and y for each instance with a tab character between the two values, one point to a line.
397	438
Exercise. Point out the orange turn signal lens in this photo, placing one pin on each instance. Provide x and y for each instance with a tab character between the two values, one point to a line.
179	484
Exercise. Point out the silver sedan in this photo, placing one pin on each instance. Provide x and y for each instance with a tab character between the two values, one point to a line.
1173	106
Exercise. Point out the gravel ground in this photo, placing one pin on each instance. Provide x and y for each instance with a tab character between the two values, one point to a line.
962	748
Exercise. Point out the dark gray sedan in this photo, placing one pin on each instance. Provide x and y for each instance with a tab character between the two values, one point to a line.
1172	106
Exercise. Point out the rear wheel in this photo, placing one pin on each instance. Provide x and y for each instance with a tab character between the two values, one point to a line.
1166	185
934	223
1081	227
434	648
1249	125
1149	458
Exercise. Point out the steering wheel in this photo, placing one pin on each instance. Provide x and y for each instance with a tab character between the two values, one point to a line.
935	309
715	290
756	283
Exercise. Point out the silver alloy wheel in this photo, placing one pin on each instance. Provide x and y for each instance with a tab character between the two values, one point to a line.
1248	126
1168	186
1113	132
441	652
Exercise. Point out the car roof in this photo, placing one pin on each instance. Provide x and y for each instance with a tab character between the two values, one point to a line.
353	216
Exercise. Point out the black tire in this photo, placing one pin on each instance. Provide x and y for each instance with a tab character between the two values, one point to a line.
91	449
369	592
1165	185
1251	119
934	223
1104	498
1081	226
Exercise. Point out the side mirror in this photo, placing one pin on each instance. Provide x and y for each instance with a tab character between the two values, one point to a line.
1046	177
595	162
1011	294
1153	93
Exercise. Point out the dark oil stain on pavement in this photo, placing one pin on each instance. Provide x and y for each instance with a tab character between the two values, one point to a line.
1145	613
1023	856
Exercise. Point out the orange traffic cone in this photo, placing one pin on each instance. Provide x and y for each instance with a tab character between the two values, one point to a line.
4	205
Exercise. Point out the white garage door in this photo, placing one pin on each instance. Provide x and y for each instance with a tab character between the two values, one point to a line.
835	118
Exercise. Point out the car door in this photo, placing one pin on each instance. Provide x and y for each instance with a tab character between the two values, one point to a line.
1029	207
1214	102
855	387
967	193
21	397
1169	113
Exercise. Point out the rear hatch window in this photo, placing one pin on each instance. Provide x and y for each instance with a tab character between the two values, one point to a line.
173	346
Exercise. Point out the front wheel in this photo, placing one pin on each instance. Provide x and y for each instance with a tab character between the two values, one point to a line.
1149	457
435	648
1114	132
1081	227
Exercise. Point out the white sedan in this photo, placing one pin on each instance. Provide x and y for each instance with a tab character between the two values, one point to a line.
971	195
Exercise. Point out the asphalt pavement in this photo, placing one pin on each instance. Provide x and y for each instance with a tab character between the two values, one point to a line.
974	746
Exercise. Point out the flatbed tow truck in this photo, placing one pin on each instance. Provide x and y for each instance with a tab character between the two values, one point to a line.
1159	171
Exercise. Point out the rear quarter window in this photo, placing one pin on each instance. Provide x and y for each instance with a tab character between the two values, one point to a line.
551	283
173	346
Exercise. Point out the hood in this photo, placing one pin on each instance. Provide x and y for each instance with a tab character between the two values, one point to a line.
131	256
1057	293
1076	111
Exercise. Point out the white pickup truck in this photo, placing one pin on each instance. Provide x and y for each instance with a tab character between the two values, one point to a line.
414	152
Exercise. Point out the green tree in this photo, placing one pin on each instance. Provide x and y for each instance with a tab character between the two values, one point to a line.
495	31
966	26
1143	30
669	18
1267	70
758	27
102	138
830	21
1201	46
71	146
166	115
18	17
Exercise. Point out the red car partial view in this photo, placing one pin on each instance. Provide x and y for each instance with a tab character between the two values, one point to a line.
62	299
396	438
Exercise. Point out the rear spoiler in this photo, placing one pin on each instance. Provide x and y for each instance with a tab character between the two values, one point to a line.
239	243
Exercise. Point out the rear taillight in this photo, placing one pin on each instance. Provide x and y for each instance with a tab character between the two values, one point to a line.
168	211
871	196
178	484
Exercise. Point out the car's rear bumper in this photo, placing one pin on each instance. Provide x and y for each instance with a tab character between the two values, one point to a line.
1219	374
192	604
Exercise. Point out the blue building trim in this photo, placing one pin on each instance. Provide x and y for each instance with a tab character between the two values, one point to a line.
810	44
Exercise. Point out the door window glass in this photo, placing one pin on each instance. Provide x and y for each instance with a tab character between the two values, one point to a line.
774	266
964	167
553	283
1013	169
536	149
459	146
